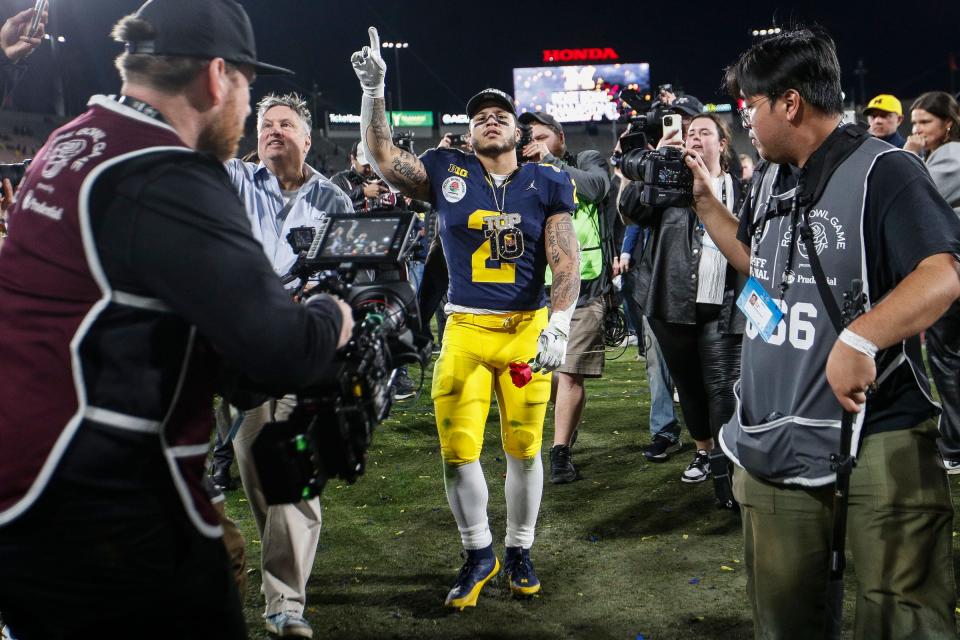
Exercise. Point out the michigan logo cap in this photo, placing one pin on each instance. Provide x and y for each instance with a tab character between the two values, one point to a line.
886	103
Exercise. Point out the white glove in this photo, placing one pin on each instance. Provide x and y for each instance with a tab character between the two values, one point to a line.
369	66
552	343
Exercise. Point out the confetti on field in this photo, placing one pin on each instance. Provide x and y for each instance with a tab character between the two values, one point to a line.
423	476
593	537
399	533
724	567
686	536
644	538
694	580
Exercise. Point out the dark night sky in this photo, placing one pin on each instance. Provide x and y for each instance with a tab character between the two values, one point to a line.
459	48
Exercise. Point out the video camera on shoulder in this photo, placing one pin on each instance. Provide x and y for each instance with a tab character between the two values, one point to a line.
666	179
330	430
404	140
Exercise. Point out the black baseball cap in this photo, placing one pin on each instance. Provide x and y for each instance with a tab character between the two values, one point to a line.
201	29
688	105
490	96
529	117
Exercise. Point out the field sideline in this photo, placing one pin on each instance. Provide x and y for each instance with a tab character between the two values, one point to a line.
628	551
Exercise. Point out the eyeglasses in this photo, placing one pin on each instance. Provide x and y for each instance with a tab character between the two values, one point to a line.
746	114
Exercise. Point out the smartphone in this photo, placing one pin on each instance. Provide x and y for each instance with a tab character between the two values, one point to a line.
671	123
38	8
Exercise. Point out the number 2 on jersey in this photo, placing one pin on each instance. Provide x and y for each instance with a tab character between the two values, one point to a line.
504	272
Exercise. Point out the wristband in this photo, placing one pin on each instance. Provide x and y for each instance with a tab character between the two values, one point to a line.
859	343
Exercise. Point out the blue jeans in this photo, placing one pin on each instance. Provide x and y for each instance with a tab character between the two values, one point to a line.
415	273
663	419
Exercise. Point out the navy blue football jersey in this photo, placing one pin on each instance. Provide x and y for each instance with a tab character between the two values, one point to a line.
493	236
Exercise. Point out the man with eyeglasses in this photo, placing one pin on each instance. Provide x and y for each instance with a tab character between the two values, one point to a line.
835	196
500	225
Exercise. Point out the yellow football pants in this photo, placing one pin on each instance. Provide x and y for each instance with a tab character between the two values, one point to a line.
474	361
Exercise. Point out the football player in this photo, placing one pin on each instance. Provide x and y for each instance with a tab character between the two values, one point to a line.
500	226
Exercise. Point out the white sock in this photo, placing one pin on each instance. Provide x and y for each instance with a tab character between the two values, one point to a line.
467	495
523	488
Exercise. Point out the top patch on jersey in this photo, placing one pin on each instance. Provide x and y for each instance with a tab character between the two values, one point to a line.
454	189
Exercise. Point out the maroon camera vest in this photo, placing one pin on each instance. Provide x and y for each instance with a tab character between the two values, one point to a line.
54	296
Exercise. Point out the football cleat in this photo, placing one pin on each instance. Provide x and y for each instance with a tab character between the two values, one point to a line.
519	569
475	572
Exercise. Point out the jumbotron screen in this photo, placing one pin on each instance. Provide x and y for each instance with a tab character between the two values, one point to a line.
577	93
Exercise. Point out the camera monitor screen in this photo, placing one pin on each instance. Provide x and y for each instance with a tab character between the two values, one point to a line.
577	93
364	238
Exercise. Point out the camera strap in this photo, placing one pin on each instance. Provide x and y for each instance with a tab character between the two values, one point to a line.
142	107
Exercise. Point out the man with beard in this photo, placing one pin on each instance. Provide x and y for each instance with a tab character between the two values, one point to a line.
500	225
280	193
129	275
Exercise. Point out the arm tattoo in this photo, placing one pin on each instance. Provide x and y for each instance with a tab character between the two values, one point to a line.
566	237
564	258
378	131
564	291
405	171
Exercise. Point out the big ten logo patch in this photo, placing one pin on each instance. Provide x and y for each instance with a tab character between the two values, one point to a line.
458	171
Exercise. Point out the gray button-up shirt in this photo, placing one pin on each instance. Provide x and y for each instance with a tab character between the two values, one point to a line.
263	200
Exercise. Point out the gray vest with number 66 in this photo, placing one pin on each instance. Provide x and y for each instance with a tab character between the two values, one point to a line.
787	421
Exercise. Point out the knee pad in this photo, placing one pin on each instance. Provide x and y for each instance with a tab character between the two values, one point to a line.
522	430
458	445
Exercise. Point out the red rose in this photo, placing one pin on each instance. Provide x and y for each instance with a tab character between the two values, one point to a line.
520	373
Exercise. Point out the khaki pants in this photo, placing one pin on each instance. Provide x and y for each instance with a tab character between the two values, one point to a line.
289	533
898	531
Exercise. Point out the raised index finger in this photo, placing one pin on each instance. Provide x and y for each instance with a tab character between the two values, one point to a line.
374	39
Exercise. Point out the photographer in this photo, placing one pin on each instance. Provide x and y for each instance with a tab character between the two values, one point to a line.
687	292
359	181
585	357
851	200
498	236
129	277
280	193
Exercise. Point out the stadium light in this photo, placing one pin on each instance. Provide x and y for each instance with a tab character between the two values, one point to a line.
396	46
767	31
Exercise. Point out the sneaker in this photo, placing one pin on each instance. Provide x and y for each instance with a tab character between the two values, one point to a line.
661	448
562	469
699	469
221	480
519	570
952	466
475	572
288	624
404	387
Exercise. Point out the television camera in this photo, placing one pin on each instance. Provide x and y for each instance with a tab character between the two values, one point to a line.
331	428
666	179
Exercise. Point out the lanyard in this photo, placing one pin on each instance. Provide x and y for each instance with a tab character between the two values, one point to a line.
141	106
